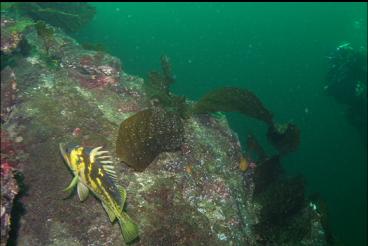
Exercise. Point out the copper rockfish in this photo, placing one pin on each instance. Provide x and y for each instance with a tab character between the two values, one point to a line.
93	170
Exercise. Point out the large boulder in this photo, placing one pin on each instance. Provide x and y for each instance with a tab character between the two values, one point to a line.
195	195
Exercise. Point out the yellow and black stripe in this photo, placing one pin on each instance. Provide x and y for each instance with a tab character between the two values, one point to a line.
93	174
94	169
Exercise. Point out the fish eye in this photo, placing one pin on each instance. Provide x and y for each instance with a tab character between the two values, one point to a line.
68	150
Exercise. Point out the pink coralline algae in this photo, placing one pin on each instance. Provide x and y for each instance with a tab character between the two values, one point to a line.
217	188
9	187
95	70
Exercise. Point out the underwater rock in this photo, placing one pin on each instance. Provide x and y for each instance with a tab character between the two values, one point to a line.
230	99
8	92
195	195
12	33
93	69
346	81
67	15
143	136
9	189
46	33
10	158
94	46
284	137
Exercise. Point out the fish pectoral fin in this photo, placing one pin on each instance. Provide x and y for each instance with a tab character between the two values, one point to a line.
109	212
82	191
72	184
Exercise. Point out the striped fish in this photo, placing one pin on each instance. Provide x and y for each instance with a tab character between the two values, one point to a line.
93	170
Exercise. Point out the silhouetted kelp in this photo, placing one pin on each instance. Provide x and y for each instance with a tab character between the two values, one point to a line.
254	149
146	134
231	99
282	217
165	80
158	85
70	16
284	137
267	172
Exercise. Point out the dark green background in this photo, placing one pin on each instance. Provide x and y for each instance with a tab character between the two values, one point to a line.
277	50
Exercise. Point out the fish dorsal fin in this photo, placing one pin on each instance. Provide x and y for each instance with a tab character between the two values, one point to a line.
109	169
95	153
123	195
105	160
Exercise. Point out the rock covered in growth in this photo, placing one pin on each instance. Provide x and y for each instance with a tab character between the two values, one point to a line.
9	189
190	196
93	69
11	154
70	16
8	92
12	33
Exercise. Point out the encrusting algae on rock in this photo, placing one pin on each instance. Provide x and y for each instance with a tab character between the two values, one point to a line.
93	171
188	190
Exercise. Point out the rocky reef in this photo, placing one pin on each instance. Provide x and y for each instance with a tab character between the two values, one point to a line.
194	194
346	82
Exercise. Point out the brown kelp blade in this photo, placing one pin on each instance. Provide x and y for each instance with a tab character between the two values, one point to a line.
146	134
231	99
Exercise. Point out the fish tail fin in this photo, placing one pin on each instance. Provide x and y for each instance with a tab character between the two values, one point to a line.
129	229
